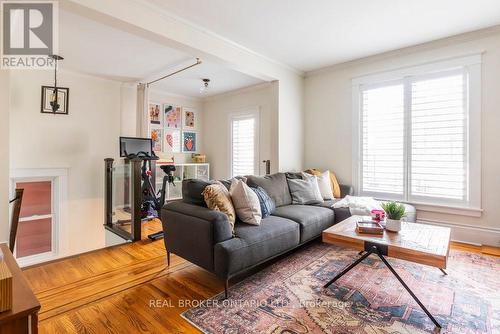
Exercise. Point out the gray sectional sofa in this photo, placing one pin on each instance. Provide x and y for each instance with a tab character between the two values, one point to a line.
203	236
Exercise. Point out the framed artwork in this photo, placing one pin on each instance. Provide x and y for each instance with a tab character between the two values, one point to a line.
172	116
155	113
62	100
189	142
156	136
189	118
172	142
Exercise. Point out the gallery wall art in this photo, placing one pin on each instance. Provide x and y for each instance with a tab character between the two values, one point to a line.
172	116
173	128
156	136
189	119
155	113
172	142
189	142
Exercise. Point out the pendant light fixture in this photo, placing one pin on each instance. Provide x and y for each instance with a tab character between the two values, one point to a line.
204	88
54	102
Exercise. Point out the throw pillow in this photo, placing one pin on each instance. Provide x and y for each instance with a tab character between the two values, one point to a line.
305	191
325	185
217	198
267	205
246	203
333	178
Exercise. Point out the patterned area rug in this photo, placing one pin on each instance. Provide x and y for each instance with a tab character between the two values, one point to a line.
288	297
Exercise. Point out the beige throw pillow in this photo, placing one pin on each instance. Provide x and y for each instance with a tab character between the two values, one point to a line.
325	185
246	203
217	198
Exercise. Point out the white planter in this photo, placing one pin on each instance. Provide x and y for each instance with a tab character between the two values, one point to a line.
393	225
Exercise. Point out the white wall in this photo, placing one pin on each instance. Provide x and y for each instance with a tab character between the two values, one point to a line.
216	126
78	141
291	124
4	155
328	121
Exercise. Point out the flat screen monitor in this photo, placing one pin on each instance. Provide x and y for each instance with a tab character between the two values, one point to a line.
131	145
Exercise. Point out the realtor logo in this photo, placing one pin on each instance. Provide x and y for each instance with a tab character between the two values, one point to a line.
28	34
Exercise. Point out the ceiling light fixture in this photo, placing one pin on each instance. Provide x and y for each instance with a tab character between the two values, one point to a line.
54	101
204	88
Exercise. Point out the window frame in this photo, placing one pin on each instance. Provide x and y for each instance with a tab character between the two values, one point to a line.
247	113
471	66
60	229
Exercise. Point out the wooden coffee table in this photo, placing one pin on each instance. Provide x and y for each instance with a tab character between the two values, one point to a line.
419	243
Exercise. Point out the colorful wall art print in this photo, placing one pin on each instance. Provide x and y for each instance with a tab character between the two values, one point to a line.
156	136
155	113
172	141
189	117
189	142
172	116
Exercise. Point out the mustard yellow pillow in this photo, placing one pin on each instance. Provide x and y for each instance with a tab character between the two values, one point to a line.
333	179
217	198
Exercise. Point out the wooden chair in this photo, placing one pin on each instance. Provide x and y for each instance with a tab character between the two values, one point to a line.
15	217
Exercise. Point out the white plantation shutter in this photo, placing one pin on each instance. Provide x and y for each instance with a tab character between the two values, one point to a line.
414	138
439	137
243	145
382	121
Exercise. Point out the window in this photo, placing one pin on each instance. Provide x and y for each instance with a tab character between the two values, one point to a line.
41	236
415	139
244	143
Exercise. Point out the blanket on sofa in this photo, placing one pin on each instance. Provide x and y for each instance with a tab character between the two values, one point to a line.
361	206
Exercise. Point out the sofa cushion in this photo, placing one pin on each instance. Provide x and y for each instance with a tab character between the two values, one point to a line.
275	185
227	183
312	219
192	190
255	244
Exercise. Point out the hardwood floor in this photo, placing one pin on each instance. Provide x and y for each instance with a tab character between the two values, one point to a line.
127	289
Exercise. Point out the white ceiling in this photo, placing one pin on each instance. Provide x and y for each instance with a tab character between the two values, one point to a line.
97	49
308	35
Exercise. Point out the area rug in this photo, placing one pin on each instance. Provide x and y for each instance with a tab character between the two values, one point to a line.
288	297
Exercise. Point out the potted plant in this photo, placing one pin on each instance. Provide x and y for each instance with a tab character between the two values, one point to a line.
394	212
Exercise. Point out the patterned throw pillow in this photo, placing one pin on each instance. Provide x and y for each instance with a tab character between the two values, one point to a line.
267	205
217	198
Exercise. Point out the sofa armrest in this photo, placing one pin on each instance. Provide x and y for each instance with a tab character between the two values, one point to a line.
346	190
191	231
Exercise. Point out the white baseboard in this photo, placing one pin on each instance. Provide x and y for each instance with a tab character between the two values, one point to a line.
468	233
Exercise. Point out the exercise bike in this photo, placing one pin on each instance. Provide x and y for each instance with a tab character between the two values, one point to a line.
152	201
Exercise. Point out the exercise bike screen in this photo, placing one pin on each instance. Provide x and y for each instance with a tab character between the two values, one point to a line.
129	145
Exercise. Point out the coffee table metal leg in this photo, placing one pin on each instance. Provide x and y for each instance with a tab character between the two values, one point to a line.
408	289
349	267
377	251
361	252
444	272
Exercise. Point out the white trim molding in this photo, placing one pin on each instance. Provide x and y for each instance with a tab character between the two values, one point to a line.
476	235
